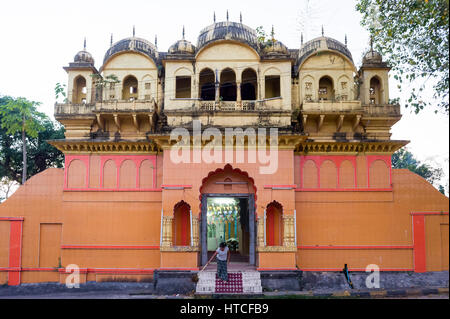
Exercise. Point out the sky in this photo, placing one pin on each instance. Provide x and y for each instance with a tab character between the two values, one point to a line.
38	38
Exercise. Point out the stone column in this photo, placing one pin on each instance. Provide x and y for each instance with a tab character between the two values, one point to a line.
288	231
238	96
167	232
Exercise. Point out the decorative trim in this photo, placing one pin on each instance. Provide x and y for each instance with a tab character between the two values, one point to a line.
428	213
12	218
345	148
354	269
113	190
344	189
180	249
356	247
276	249
280	187
106	147
175	187
120	247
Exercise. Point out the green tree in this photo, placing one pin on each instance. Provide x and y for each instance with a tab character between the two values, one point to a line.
405	159
18	115
414	37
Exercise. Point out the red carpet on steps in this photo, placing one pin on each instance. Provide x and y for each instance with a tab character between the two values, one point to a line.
233	285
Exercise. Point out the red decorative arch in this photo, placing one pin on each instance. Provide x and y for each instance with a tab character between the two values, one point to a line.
227	168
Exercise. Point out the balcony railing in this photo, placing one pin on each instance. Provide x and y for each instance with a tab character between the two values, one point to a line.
268	104
107	106
382	109
331	106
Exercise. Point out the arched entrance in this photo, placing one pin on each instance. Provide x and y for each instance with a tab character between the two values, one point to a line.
228	214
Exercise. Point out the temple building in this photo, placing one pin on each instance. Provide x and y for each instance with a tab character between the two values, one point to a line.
123	208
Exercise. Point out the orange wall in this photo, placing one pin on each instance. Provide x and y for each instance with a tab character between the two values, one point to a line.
114	230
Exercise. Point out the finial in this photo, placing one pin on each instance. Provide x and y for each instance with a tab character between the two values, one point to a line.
134	31
301	41
345	40
183	32
371	44
322	31
227	16
156	41
84	44
214	16
111	39
240	17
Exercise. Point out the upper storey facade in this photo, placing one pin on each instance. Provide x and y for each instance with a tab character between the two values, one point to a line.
228	78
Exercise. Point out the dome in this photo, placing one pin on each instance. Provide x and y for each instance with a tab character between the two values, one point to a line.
227	31
276	48
372	57
83	57
182	47
322	44
132	44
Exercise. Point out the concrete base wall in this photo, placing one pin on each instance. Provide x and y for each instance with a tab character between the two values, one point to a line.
388	280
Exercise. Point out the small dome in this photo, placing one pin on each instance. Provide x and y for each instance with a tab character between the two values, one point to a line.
83	57
132	44
276	48
372	57
182	47
322	44
227	31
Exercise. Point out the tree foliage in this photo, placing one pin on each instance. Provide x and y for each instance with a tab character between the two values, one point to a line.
39	128
414	37
405	159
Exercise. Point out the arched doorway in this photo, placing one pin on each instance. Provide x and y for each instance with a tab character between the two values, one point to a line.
274	224
228	88
249	85
326	88
207	85
228	214
130	88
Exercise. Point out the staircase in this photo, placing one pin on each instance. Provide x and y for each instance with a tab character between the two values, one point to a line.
241	282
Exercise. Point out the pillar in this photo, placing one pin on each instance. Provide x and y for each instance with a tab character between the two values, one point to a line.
260	236
288	234
167	232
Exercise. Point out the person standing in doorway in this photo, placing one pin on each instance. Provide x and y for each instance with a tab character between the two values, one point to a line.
223	258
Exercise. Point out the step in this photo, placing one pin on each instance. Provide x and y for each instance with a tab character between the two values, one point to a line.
241	282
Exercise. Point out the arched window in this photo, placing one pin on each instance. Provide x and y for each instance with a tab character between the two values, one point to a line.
228	89
206	85
249	85
328	175
127	177
310	175
274	224
76	174
375	91
326	88
379	175
130	88
110	175
181	224
79	90
146	174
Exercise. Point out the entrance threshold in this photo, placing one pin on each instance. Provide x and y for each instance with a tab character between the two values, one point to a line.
232	267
